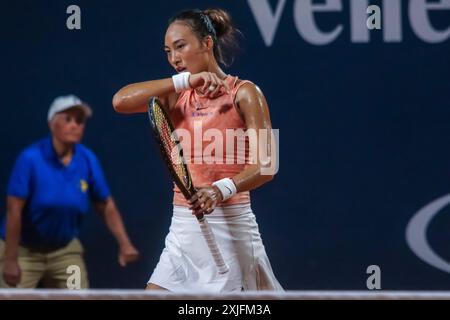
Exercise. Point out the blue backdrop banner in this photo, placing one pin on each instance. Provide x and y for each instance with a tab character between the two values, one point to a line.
363	118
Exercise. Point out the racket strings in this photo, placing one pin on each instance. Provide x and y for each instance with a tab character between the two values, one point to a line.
171	146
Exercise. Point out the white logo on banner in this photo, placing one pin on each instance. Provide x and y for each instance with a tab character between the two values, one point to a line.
416	233
306	12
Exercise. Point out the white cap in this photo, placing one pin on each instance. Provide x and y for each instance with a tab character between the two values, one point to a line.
66	102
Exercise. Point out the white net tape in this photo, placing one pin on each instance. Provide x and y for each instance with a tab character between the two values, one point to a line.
113	294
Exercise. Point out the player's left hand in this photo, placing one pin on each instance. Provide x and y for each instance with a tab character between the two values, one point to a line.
127	254
205	200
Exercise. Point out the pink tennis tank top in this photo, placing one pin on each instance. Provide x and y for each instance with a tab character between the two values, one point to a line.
211	132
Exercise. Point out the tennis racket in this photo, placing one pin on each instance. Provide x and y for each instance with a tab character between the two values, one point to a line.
172	154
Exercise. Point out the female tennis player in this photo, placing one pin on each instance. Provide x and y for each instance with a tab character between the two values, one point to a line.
201	96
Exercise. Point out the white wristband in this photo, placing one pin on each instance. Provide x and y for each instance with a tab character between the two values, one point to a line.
226	187
181	81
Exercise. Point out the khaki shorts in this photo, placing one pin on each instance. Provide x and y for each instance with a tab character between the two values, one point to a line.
63	268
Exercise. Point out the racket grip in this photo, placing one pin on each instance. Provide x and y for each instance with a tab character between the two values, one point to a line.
212	245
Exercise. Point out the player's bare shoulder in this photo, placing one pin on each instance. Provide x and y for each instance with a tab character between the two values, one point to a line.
248	95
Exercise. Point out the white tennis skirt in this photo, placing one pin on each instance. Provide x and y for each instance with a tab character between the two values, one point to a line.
186	263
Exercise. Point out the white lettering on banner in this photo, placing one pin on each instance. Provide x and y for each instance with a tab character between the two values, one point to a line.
304	13
420	22
358	16
266	21
392	21
416	233
306	25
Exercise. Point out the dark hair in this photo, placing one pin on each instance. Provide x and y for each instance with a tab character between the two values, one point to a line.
216	23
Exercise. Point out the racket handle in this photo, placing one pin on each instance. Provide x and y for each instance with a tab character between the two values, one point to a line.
212	245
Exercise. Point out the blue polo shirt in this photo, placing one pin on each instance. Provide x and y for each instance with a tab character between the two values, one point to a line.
57	196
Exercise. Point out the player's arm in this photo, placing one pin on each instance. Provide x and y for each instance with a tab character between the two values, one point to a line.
134	98
253	107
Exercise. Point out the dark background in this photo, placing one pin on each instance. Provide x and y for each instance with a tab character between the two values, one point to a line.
364	134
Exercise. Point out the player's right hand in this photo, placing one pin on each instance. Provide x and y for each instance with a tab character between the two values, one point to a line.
208	83
205	200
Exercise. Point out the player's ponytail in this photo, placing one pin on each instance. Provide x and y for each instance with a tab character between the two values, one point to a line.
226	35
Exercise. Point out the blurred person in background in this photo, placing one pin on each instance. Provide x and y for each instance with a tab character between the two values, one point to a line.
50	190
